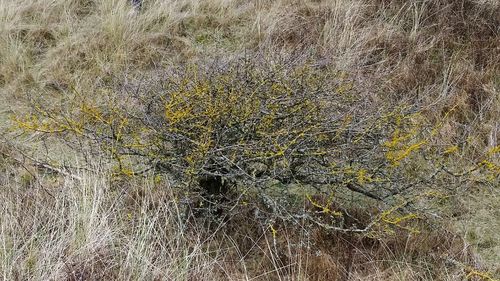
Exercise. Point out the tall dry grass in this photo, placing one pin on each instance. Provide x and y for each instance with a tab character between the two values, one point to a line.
86	230
445	52
90	229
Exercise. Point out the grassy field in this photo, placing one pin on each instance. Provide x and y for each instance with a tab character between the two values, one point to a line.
88	224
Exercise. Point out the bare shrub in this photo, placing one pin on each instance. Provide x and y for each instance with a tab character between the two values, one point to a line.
266	132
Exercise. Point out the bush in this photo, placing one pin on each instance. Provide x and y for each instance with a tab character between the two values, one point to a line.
268	131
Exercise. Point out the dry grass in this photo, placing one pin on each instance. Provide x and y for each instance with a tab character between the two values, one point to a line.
93	230
443	53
